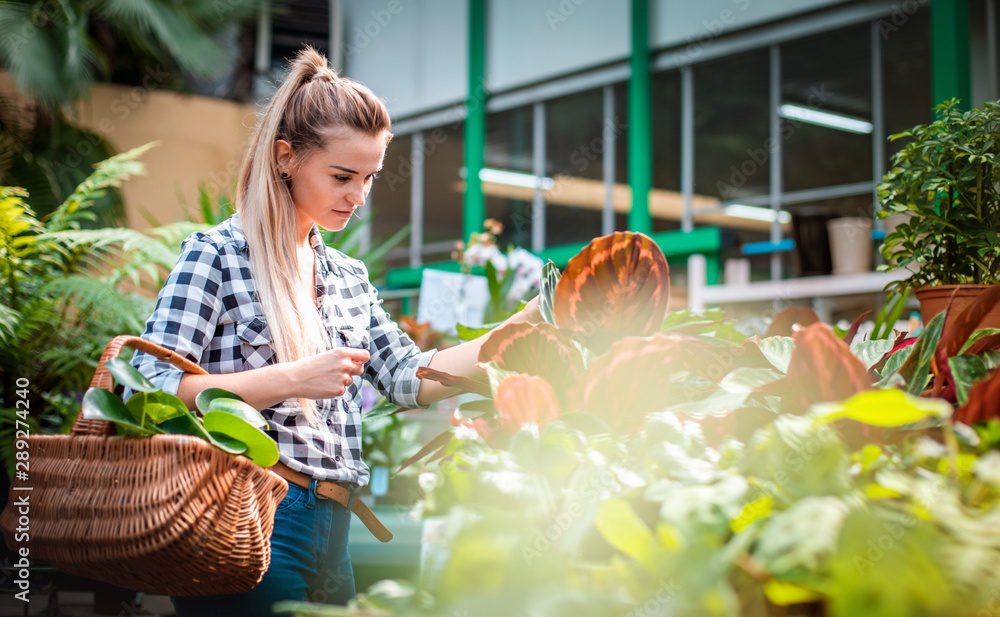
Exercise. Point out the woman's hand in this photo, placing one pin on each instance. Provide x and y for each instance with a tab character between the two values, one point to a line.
327	374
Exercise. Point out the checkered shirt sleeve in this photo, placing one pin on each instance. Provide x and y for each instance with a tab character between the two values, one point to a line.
208	312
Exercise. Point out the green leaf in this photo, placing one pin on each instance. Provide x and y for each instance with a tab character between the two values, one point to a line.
966	370
746	380
204	399
227	443
158	406
785	594
892	365
467	333
260	448
550	278
126	374
802	537
871	351
99	404
622	528
385	408
916	370
239	409
777	350
885	408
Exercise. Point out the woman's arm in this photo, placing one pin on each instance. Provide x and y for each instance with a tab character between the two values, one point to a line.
325	375
461	360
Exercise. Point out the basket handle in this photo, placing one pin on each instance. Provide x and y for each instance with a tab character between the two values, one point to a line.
104	380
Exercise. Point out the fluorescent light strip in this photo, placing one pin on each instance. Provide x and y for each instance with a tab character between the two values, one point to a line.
825	118
514	178
756	214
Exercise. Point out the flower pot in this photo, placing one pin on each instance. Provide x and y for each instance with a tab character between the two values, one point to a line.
851	245
935	299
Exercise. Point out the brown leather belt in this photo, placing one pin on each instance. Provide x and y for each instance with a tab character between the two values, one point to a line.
341	494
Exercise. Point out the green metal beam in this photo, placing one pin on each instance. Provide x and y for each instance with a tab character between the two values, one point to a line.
950	51
640	123
474	211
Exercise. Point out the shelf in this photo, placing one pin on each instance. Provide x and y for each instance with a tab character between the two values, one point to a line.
700	295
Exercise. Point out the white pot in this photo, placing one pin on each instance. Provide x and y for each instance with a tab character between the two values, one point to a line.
851	245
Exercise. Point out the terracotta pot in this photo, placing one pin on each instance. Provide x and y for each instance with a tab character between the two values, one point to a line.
935	299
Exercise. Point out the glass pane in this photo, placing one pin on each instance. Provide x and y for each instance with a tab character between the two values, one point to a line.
621	148
666	91
390	196
443	160
731	126
826	107
906	57
575	145
509	142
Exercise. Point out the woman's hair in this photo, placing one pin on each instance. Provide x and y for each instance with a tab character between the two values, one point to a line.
311	104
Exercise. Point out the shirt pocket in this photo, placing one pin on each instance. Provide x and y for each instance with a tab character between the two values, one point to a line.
255	342
352	333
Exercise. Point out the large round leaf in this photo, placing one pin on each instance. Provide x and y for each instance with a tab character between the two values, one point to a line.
127	375
619	285
204	399
240	409
261	449
158	406
524	399
535	349
99	404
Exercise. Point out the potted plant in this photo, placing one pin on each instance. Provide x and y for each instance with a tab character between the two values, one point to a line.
947	179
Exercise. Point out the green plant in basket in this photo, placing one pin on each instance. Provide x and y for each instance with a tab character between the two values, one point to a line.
227	422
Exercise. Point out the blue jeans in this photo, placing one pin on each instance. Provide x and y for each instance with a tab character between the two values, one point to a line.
309	561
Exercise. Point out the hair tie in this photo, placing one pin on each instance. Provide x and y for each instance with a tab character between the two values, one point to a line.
326	73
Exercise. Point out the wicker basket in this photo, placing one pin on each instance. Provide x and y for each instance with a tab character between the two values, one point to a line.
168	514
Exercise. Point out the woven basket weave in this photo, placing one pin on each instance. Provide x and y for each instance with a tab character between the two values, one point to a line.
167	514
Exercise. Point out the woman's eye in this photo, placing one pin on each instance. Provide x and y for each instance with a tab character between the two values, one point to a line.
342	178
376	176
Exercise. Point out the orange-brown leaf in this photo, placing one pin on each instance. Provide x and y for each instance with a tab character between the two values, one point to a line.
983	403
822	369
523	399
535	349
454	381
632	378
619	285
782	323
958	330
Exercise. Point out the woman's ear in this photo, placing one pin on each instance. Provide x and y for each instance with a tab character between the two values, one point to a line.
284	155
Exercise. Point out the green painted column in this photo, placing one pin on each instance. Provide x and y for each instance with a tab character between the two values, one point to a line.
950	51
640	121
474	211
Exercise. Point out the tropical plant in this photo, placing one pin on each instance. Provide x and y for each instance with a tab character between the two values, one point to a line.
67	291
55	51
947	179
627	461
227	422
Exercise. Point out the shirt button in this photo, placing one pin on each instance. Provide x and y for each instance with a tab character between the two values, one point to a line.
329	421
337	458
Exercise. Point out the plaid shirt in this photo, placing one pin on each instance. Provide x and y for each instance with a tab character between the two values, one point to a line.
208	312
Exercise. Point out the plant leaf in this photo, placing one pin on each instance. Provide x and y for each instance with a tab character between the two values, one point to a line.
916	369
385	408
622	528
966	370
524	399
887	408
260	448
550	278
617	286
227	443
99	404
822	368
126	374
871	352
465	333
159	406
983	403
853	331
783	322
204	399
454	381
535	349
240	409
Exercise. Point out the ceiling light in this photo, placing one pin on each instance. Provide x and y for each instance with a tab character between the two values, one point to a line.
513	178
825	118
757	214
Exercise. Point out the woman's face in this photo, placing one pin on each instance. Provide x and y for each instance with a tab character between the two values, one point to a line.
331	183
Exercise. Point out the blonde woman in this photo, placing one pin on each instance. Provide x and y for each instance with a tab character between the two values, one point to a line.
292	326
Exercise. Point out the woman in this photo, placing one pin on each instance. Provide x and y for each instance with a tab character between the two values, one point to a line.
291	326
